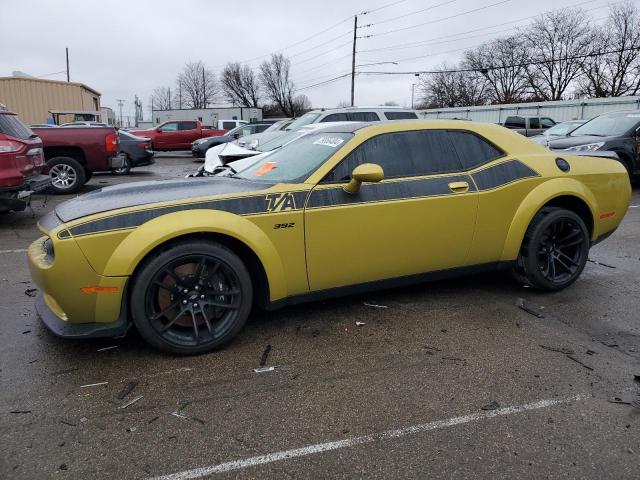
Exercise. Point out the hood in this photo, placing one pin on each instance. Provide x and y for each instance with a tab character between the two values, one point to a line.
261	137
225	153
570	141
144	193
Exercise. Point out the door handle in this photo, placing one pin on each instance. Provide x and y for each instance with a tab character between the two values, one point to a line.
459	187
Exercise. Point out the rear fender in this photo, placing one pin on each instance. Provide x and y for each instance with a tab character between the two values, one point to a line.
534	201
150	235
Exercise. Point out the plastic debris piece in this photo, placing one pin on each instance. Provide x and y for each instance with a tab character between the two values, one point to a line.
94	384
522	304
579	362
566	351
64	422
265	355
264	369
107	348
132	429
128	388
131	402
491	406
359	324
20	411
609	343
601	264
199	420
153	419
84	419
374	305
30	292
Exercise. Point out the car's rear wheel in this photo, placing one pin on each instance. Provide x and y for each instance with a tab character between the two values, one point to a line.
67	175
191	298
125	168
554	251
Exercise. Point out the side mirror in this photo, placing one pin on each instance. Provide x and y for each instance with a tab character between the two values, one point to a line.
367	172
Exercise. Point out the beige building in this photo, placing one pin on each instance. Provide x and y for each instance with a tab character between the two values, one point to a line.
36	100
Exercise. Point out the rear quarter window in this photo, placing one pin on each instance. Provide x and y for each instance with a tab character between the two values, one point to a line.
363	117
12	126
472	149
400	115
228	125
515	122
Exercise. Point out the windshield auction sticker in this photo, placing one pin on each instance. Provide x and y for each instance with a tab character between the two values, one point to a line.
329	141
266	167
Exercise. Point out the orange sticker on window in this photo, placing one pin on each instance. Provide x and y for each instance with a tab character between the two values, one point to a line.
265	168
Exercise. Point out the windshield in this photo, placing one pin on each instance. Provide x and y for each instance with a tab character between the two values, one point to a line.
11	125
296	160
280	140
275	126
561	129
611	124
305	119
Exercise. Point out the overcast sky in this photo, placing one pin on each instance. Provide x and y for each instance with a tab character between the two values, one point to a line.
122	48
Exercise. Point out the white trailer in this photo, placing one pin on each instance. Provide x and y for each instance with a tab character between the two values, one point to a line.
208	116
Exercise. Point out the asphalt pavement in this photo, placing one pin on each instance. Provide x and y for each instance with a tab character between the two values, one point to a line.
442	380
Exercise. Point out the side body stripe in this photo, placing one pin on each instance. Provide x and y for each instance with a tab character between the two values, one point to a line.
502	174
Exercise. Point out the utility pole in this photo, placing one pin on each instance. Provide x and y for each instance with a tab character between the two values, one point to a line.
120	103
67	51
353	59
412	87
204	90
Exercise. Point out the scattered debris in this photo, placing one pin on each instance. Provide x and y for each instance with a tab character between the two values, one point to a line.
128	388
107	348
30	292
26	331
637	377
94	384
359	324
609	343
63	466
566	351
33	361
131	429
179	415
491	406
264	369
374	305
522	304
453	359
265	355
63	372
579	362
131	402
634	403
199	420
84	419
181	406
64	422
600	263
20	411
153	419
591	352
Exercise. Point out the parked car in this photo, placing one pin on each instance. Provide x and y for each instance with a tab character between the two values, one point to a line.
180	134
22	167
269	133
345	209
557	131
199	147
347	114
73	154
617	132
136	150
43	125
84	124
528	126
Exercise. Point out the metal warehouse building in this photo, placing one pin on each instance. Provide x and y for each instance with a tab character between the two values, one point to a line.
208	116
560	111
39	101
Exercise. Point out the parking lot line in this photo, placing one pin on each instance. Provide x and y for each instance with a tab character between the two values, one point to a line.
17	250
351	442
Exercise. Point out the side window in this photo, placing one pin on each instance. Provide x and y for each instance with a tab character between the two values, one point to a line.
363	117
402	154
400	115
547	122
228	125
335	117
534	122
472	149
170	127
514	122
187	126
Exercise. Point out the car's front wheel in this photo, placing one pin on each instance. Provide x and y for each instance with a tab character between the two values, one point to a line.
554	251
67	175
191	298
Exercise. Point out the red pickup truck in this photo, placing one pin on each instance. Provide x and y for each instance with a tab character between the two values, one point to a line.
180	134
22	165
74	153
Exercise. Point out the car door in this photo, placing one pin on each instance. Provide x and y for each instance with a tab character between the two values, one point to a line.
167	136
420	218
188	133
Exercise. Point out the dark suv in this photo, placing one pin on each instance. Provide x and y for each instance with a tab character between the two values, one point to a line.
22	164
617	132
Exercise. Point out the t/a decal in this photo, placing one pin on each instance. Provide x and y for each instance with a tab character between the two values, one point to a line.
279	202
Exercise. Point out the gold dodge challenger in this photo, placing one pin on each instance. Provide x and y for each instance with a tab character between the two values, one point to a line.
346	208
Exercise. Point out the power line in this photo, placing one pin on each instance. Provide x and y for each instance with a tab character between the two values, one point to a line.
415	12
345	75
382	7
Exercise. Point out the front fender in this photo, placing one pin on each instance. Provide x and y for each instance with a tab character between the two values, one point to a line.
148	236
534	201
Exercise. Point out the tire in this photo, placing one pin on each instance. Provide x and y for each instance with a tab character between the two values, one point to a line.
554	250
177	300
87	175
126	167
67	175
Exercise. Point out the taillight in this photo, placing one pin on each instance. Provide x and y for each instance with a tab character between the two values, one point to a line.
111	142
143	144
8	146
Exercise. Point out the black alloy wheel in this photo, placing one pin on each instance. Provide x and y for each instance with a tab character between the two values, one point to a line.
555	249
192	298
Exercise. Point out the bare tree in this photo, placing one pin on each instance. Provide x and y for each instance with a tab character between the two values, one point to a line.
616	73
343	104
300	105
453	88
502	62
240	85
161	98
557	43
274	77
198	84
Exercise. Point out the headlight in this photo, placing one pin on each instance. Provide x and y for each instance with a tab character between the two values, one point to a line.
590	147
48	250
199	141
